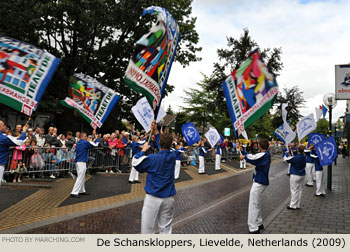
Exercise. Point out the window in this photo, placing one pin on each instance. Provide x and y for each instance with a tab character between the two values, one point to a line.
8	79
15	81
23	84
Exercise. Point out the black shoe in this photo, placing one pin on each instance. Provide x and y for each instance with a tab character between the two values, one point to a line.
75	196
261	227
288	174
321	195
298	208
84	193
290	208
254	232
137	182
309	185
131	182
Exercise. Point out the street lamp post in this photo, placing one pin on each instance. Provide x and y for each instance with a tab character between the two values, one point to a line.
330	101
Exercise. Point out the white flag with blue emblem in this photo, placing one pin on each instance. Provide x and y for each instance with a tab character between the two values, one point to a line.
213	136
305	126
145	115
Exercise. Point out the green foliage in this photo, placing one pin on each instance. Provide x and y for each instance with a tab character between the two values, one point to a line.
263	127
322	126
95	37
170	110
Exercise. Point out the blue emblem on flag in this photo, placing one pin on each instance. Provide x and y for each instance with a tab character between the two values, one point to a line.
326	151
190	133
315	138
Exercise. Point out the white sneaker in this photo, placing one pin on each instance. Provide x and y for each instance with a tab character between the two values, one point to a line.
52	176
111	171
106	171
3	181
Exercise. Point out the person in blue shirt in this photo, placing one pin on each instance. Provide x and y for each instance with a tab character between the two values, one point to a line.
262	161
297	177
320	176
135	148
219	147
6	142
158	205
243	162
178	151
309	165
81	158
202	151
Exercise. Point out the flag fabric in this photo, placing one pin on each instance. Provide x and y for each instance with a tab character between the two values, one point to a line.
250	92
284	114
190	132
324	110
90	98
326	151
25	72
305	126
285	133
315	138
150	64
145	115
318	113
212	136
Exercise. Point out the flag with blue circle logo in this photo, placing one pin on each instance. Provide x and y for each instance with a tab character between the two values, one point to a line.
190	132
326	151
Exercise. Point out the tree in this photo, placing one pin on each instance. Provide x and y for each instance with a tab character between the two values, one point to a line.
295	99
322	127
95	37
170	111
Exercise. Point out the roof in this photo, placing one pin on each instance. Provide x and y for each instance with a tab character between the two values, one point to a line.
168	119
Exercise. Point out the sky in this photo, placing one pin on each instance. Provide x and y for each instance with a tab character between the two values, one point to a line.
314	36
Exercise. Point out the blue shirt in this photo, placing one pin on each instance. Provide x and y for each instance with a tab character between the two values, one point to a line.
262	163
160	168
6	142
178	153
219	148
318	166
202	150
298	163
82	150
285	152
135	146
309	159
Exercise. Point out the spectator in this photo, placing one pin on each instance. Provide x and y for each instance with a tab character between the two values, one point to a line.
70	140
51	138
50	160
18	130
63	158
62	139
30	134
27	153
36	161
77	136
40	138
17	162
37	130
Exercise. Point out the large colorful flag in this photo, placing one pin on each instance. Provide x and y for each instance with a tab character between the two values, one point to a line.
250	92
150	65
145	115
305	126
212	136
326	151
315	138
25	72
90	98
190	132
285	133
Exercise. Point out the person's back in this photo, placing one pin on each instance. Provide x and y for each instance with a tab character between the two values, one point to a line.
298	164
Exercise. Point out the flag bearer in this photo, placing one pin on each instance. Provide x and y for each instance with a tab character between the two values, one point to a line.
243	162
297	177
179	149
158	205
219	148
81	159
202	151
309	166
135	148
6	142
320	177
262	162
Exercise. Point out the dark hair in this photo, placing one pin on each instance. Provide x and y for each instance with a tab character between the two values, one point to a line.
301	149
264	144
83	133
165	141
69	133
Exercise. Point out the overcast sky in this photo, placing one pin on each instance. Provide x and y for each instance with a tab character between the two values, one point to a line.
314	36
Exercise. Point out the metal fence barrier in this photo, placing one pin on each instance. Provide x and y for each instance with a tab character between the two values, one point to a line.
58	161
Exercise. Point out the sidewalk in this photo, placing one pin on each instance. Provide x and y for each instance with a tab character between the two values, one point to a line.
318	215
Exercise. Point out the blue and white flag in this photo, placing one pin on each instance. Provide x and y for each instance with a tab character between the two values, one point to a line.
315	138
212	136
145	115
305	126
222	139
190	133
285	133
324	110
326	151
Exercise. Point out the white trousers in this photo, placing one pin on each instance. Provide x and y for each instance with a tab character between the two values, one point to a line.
308	177
296	190
79	186
313	173
177	169
201	165
157	211
320	183
2	169
134	175
243	164
217	161
288	172
254	208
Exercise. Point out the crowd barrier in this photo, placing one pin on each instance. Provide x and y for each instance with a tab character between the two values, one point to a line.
46	161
